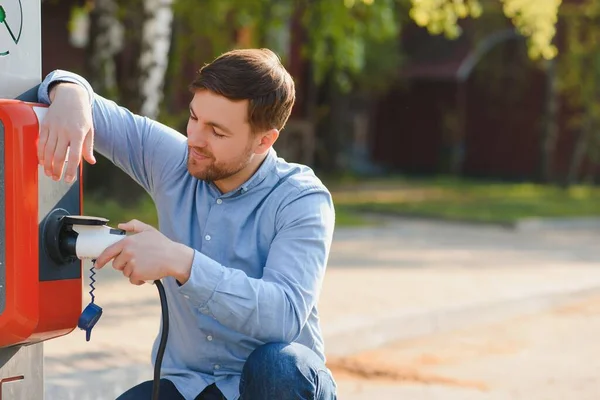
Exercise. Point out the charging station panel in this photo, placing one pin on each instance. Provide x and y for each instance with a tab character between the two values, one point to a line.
40	298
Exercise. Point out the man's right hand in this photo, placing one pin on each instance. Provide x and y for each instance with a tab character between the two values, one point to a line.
66	128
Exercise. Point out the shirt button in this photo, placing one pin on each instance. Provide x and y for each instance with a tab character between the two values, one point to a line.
207	237
217	366
209	338
219	201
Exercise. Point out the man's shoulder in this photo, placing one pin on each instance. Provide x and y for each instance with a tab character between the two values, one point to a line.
297	177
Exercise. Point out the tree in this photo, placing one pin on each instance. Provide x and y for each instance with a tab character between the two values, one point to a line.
349	45
534	19
154	55
127	52
343	43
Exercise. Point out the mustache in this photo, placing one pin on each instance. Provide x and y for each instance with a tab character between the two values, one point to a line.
201	151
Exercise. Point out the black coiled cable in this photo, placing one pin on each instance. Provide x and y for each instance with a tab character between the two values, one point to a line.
163	339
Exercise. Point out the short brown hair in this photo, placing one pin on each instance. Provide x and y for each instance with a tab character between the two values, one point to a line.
256	75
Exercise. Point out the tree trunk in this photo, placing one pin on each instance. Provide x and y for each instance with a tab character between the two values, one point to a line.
579	152
115	58
154	54
459	133
106	40
549	134
331	128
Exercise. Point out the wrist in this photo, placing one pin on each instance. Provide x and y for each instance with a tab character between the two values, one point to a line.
57	86
181	267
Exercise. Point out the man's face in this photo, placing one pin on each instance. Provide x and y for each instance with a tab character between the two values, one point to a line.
219	137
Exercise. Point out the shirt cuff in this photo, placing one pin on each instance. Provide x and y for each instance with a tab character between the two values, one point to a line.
62	76
205	276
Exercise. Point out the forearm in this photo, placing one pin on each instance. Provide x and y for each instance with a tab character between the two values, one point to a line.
265	310
145	149
112	124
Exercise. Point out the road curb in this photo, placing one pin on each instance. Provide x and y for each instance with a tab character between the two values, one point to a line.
528	224
353	336
536	224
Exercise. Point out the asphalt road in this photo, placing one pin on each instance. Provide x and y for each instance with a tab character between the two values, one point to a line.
548	356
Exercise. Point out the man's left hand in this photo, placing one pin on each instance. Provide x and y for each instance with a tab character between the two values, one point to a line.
147	255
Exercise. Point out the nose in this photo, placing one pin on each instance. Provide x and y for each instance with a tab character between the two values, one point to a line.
196	136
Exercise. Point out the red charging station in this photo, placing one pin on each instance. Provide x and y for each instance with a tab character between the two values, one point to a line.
41	298
40	295
40	292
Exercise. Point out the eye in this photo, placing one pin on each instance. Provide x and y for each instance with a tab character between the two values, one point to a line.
217	134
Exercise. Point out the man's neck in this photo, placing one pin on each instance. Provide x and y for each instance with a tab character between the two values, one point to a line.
234	181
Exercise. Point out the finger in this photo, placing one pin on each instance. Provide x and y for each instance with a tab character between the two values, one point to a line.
110	252
134	226
49	152
119	262
128	270
136	282
42	142
60	153
88	147
73	160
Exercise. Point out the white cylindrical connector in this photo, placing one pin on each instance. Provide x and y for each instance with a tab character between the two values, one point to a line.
92	240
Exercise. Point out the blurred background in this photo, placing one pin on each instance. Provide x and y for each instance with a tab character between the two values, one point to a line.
486	106
461	142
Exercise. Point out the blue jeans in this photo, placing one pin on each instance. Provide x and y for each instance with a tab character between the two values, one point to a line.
286	372
277	371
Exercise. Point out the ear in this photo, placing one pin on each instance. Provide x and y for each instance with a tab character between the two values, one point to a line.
267	139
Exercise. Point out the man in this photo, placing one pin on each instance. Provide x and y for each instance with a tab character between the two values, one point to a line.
243	237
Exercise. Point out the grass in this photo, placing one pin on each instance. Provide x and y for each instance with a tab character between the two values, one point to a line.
466	200
442	198
145	211
115	213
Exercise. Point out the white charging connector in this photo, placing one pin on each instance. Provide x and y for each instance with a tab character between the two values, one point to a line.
92	240
93	236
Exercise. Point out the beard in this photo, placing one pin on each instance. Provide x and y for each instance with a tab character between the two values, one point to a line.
212	170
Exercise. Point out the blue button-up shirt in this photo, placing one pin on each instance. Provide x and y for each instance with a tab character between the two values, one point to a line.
260	251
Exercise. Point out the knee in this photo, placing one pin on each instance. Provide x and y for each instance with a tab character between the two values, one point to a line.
275	359
283	371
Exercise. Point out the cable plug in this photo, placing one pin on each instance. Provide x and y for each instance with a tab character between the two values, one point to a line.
88	319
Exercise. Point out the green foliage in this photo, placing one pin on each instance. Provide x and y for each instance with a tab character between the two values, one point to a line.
580	64
209	28
347	40
441	16
338	32
580	72
535	19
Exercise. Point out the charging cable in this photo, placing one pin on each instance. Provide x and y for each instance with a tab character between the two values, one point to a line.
69	237
163	339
